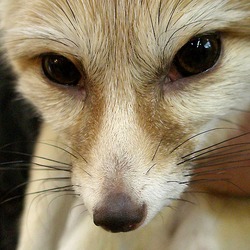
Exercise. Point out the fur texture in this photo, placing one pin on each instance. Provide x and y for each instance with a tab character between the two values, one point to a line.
126	128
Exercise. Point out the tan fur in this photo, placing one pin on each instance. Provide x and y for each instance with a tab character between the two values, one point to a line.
124	121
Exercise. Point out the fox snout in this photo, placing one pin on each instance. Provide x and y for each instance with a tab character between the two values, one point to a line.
131	173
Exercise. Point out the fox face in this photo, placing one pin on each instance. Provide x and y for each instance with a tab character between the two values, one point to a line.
132	88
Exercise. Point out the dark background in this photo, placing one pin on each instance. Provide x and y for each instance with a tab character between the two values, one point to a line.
18	130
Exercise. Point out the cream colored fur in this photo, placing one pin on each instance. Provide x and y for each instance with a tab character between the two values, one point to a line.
113	125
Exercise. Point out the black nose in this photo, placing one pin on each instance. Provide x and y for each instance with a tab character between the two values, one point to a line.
118	213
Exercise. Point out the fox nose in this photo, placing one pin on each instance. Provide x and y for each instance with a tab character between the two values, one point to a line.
118	213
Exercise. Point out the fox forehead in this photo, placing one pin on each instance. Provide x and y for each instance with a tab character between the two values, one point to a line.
142	34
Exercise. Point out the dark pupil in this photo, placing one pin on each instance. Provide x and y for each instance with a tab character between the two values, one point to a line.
198	55
60	70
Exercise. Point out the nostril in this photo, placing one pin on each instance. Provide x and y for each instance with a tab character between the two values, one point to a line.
118	213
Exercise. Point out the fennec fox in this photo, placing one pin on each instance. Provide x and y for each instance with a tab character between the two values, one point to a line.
141	101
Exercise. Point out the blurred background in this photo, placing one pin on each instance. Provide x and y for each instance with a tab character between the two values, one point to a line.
18	130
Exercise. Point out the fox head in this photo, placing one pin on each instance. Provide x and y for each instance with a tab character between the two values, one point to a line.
130	86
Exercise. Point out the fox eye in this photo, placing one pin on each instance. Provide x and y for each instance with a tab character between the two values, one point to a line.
198	55
60	70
